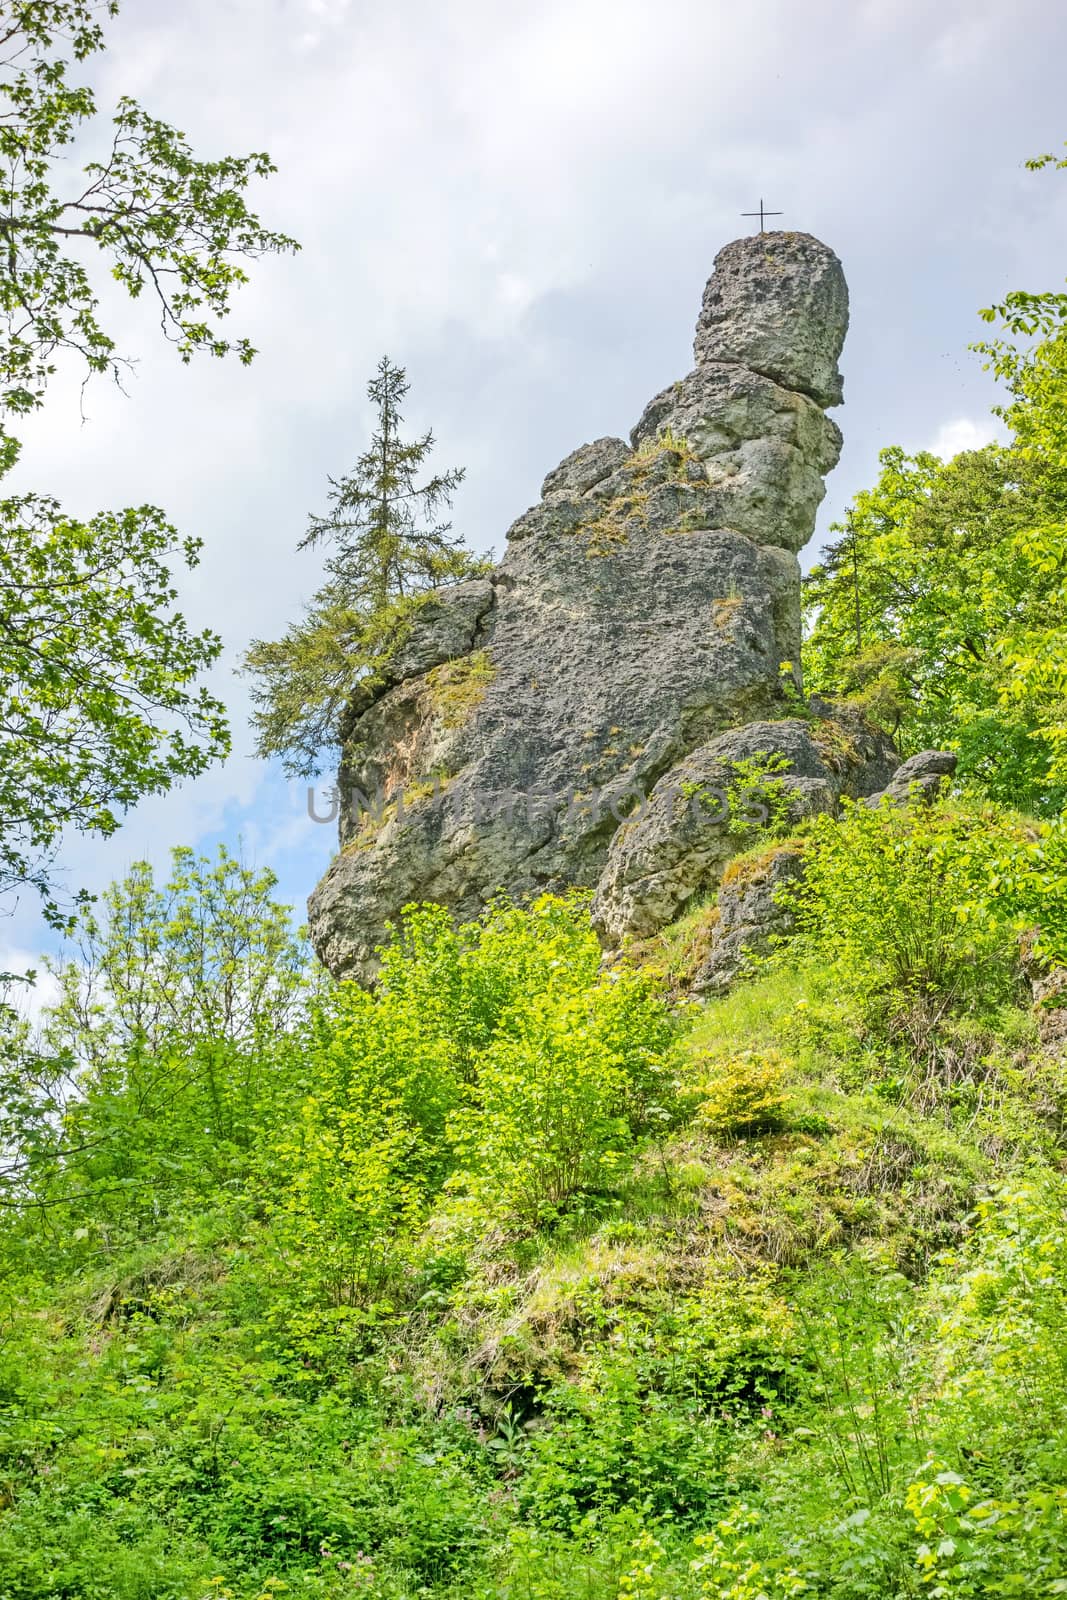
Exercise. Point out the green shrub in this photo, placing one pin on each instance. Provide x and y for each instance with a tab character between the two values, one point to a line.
761	801
975	1545
1031	887
742	1093
1003	1329
561	1095
905	901
622	1445
497	1060
731	1566
367	1150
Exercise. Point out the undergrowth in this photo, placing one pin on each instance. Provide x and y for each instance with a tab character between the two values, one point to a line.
536	1283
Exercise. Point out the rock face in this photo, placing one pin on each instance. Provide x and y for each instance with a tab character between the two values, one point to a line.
772	306
752	913
644	608
1050	1007
695	819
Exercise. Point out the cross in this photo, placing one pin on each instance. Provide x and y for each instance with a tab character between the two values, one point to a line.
761	213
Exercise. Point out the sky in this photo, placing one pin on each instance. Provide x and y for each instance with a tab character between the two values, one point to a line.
520	203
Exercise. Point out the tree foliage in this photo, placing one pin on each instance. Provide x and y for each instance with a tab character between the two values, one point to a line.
911	613
155	1068
387	547
381	523
207	956
152	214
941	606
98	704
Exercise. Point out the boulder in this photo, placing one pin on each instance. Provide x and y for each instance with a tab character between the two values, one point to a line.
921	778
777	306
695	819
752	915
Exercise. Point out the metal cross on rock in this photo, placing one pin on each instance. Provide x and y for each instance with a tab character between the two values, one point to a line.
761	214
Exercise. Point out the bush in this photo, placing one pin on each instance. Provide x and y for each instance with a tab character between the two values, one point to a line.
561	1095
744	1093
908	902
762	803
496	1060
731	1566
1031	887
623	1446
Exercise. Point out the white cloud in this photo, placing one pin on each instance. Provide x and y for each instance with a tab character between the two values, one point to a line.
29	999
964	433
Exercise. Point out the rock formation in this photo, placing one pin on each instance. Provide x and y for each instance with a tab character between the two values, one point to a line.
684	837
646	606
920	778
753	913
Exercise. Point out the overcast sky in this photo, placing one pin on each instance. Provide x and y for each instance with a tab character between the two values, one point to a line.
520	203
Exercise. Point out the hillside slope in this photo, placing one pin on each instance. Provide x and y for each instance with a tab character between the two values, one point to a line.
534	1281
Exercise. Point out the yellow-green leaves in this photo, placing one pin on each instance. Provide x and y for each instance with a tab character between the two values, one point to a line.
496	1062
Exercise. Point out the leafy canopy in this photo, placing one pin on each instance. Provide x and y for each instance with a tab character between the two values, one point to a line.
98	704
208	955
97	699
388	548
942	606
911	610
148	210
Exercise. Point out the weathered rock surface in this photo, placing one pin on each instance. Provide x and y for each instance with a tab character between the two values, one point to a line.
919	778
776	305
1049	989
694	822
752	913
644	607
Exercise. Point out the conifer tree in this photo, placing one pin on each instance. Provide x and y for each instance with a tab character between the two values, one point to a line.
388	548
382	524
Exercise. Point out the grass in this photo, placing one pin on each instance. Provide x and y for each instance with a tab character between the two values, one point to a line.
456	688
666	458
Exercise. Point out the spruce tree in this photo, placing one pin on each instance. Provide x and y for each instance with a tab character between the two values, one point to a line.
388	548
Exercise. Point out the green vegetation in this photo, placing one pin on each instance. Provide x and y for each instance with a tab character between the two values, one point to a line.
523	1276
664	459
671	454
761	802
389	550
516	1278
98	696
605	533
456	688
941	607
